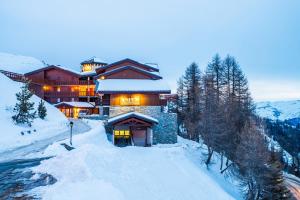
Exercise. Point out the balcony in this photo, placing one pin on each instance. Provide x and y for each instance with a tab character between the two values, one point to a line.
86	93
77	82
63	82
69	94
61	94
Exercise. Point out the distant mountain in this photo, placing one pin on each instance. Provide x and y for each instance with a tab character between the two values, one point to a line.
19	64
279	110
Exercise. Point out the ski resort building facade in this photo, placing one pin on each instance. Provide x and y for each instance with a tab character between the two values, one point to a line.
129	95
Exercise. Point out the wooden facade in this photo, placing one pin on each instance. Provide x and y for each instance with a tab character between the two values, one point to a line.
56	84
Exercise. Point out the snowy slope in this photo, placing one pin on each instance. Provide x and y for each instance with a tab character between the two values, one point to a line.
19	64
10	134
280	110
98	170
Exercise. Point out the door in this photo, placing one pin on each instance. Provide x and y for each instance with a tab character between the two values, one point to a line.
139	137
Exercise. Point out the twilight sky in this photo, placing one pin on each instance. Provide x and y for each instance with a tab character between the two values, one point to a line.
264	36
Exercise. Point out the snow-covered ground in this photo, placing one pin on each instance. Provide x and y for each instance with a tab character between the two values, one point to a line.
98	170
10	134
279	110
19	64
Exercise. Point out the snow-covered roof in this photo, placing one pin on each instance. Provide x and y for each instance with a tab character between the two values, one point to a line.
93	60
19	64
76	104
131	115
132	85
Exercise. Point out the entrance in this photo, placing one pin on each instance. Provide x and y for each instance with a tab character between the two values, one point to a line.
139	136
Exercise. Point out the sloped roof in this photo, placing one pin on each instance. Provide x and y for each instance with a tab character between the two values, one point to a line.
108	86
75	104
153	75
93	60
128	115
55	67
127	60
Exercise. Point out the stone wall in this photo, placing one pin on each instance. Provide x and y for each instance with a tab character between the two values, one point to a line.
164	132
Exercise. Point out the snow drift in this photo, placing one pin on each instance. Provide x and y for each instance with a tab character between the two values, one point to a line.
98	170
10	134
19	64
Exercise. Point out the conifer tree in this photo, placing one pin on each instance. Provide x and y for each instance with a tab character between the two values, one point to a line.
189	94
24	108
42	111
274	187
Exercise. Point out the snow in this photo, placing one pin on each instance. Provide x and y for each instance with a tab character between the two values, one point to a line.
279	110
132	85
10	134
19	64
132	114
95	60
96	169
76	104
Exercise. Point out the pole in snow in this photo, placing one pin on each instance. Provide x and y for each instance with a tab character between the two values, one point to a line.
71	132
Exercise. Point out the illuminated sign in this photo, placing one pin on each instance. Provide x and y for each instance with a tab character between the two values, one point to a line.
130	101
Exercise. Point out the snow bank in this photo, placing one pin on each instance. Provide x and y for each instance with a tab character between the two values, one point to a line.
10	134
19	64
98	170
279	110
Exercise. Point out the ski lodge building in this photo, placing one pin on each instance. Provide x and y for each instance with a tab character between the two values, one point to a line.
129	95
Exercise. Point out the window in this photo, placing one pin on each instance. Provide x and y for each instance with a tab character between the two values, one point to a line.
72	99
58	89
122	133
58	100
106	111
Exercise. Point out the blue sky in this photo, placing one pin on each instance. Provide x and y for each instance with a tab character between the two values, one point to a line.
264	36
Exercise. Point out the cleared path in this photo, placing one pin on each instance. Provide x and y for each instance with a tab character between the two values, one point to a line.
19	153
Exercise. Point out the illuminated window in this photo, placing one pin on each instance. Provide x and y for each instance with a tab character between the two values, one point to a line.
87	68
58	89
46	88
122	134
102	77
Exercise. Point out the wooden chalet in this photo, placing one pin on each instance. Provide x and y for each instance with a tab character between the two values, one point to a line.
129	94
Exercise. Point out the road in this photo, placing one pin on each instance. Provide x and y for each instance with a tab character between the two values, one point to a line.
20	152
16	178
293	184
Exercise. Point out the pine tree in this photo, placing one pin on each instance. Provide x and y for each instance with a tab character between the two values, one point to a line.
24	108
189	94
42	111
274	187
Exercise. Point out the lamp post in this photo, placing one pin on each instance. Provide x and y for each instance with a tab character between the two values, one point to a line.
71	132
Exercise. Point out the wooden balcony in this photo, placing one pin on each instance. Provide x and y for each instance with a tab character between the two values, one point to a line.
77	82
14	76
61	94
69	94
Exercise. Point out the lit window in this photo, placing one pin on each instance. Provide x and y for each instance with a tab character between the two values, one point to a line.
102	77
58	89
117	132
58	100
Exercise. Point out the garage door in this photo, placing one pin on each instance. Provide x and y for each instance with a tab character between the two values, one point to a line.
139	137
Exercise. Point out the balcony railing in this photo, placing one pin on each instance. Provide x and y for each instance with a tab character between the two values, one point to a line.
75	82
14	76
69	94
85	93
